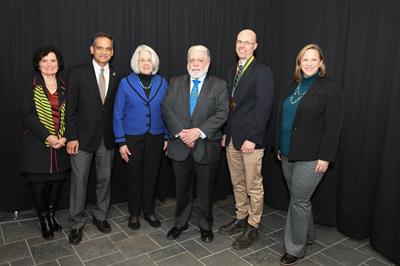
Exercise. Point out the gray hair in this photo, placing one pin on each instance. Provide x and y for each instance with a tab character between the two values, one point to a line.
200	48
135	58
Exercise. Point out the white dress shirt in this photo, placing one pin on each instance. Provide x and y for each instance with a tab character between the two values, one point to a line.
97	71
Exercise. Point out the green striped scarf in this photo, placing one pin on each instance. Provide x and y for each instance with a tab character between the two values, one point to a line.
43	109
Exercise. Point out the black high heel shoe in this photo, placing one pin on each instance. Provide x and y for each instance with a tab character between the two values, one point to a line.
47	231
53	222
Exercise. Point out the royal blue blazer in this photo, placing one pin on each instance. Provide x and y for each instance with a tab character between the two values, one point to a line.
135	113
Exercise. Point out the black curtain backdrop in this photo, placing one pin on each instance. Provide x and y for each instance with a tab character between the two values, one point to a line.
361	42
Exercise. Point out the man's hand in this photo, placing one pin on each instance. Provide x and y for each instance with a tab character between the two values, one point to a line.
248	147
189	136
73	147
223	141
165	145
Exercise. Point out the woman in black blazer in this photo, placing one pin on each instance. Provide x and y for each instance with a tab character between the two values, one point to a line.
44	160
309	122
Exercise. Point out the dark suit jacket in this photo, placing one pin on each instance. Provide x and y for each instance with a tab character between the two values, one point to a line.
317	124
209	115
253	97
87	119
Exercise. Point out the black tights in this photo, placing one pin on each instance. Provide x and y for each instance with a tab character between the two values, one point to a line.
46	194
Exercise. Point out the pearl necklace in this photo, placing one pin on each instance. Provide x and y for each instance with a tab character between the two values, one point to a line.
296	96
144	87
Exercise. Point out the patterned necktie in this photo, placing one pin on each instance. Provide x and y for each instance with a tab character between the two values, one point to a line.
194	94
237	76
102	85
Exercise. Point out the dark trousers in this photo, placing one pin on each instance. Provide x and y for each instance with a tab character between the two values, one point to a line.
142	171
185	172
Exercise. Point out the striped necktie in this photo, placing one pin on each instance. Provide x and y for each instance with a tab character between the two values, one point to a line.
237	76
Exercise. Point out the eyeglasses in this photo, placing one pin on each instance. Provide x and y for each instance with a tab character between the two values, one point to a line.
102	49
199	61
246	43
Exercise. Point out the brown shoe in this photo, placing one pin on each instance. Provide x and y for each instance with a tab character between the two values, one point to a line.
246	239
234	227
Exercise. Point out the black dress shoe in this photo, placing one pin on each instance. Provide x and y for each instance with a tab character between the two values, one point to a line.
75	236
133	222
234	227
246	239
175	232
103	226
288	259
206	235
152	220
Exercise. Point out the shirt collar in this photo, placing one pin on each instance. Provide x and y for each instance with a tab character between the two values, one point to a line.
97	67
201	79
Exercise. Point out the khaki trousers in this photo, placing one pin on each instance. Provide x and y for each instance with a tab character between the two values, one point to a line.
245	170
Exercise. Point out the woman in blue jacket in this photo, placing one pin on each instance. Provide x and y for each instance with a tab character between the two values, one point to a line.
140	132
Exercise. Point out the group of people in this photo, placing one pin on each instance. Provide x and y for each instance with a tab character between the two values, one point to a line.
68	125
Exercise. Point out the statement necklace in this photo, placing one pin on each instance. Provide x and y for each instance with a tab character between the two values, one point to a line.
146	87
296	96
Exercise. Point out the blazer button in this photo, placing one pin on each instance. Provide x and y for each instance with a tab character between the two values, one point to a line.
147	115
148	125
146	104
294	128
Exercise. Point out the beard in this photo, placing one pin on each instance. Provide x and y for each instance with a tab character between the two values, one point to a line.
197	74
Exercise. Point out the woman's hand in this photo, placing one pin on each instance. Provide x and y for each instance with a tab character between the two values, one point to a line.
278	155
53	141
61	143
125	153
321	167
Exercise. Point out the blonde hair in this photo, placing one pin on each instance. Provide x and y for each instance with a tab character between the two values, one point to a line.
135	58
322	69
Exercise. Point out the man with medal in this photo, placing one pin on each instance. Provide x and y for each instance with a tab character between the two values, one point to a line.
250	85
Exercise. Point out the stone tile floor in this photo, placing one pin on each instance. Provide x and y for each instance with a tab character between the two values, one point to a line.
21	242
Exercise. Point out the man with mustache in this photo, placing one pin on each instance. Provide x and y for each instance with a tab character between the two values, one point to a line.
195	108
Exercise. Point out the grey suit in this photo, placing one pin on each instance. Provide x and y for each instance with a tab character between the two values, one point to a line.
209	115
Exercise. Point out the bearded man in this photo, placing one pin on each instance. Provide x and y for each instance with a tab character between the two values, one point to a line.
195	109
